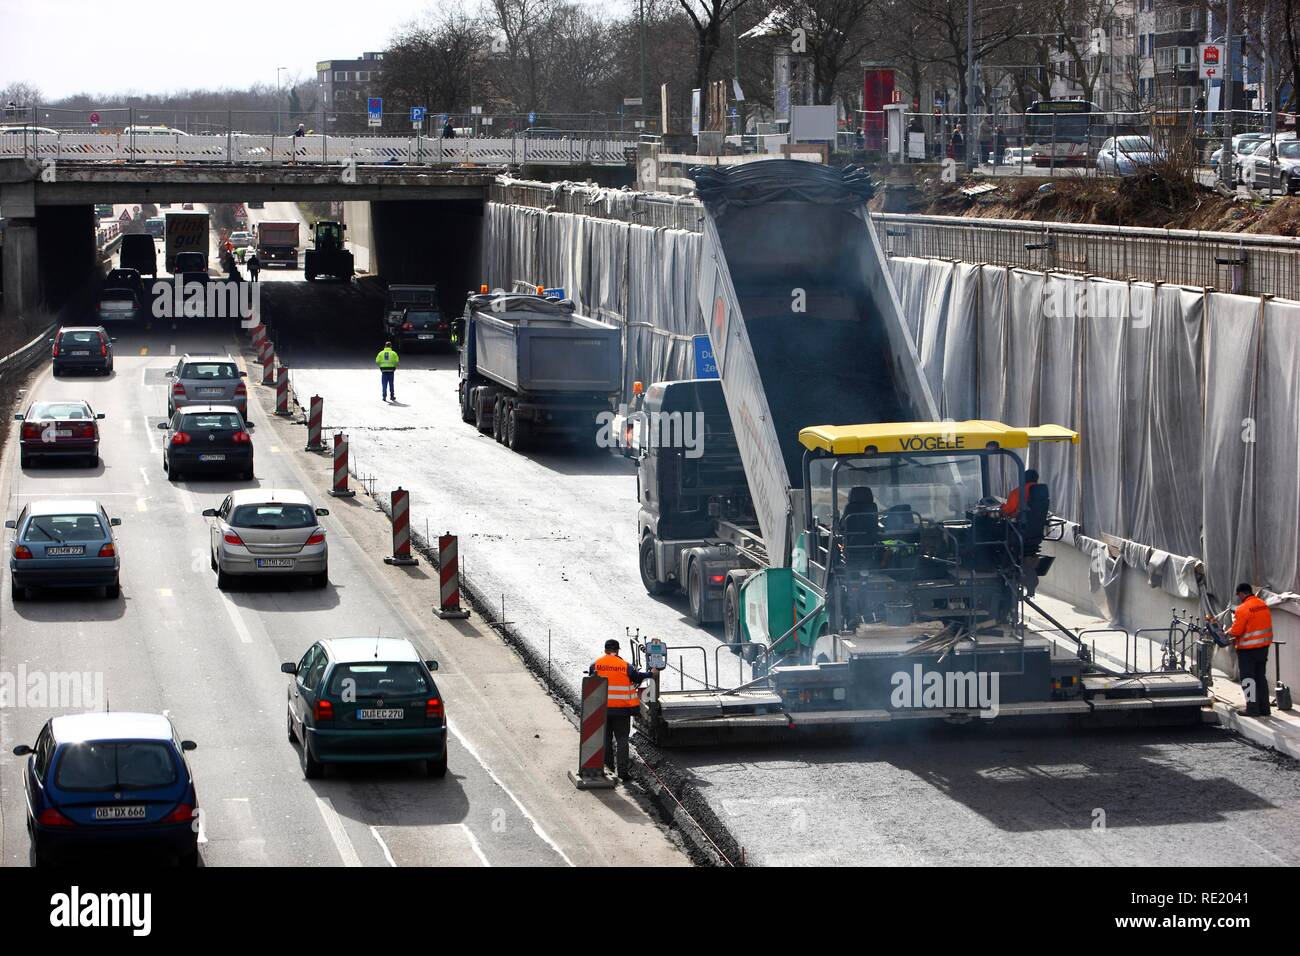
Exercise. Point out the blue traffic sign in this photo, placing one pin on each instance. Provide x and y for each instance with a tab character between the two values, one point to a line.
532	118
417	114
706	365
375	105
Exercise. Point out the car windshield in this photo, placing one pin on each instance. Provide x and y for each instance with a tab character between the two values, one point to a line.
62	411
1134	144
89	337
64	528
1248	148
273	515
378	679
208	421
422	316
114	765
210	370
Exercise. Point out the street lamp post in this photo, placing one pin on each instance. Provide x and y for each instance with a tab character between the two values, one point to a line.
278	94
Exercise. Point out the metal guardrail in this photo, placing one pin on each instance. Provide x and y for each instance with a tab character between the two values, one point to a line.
259	149
23	357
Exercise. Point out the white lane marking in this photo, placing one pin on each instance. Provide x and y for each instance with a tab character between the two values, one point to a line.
537	827
474	845
144	474
141	504
335	827
275	449
374	832
241	628
164	592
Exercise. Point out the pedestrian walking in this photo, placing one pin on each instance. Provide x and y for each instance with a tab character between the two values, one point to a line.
623	702
387	361
254	265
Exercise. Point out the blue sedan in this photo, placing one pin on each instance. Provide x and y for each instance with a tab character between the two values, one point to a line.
62	543
110	782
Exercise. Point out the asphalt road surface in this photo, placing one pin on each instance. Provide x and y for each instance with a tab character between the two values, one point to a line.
175	644
555	533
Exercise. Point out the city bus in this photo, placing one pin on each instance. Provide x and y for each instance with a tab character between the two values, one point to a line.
1057	132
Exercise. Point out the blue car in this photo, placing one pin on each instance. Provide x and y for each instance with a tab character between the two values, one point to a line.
63	543
110	783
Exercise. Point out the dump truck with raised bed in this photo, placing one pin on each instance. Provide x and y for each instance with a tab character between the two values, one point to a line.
853	546
535	371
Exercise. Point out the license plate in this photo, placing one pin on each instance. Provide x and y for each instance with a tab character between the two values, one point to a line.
65	551
63	433
385	713
275	562
428	336
119	813
212	457
212	392
79	352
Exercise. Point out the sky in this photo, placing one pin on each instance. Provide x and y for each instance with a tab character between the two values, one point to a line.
155	46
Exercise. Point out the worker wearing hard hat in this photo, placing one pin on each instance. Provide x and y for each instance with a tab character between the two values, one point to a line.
387	361
623	702
1252	630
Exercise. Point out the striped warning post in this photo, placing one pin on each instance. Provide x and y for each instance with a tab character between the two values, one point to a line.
591	736
266	351
449	580
315	414
341	489
282	391
268	370
401	529
259	335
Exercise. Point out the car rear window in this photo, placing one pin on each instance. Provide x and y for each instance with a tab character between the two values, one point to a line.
1289	150
116	765
379	679
47	411
273	515
209	370
90	337
208	421
64	528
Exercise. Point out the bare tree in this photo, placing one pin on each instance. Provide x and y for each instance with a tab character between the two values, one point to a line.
20	94
836	35
707	17
941	27
434	62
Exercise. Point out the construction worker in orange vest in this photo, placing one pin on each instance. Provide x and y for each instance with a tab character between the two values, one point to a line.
1011	507
623	702
1252	628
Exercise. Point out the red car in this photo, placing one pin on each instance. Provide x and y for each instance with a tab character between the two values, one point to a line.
59	430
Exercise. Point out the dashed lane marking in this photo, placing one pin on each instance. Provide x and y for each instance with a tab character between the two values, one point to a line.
335	827
374	832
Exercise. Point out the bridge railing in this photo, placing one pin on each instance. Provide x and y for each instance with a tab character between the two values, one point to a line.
246	148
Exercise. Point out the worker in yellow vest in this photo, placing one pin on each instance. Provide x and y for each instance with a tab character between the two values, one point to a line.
623	701
1252	628
387	361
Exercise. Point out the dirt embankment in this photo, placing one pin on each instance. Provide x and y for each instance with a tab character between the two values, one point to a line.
1132	201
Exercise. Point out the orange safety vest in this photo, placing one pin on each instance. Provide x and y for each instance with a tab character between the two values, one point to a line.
622	692
1252	625
1012	506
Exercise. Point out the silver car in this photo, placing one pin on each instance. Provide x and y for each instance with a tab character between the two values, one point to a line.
210	379
268	532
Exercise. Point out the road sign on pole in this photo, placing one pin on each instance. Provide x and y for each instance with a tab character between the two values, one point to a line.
1208	57
94	119
532	119
706	365
375	111
417	117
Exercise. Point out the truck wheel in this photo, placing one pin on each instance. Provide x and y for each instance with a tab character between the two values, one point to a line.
499	421
466	406
649	567
517	431
695	593
731	617
480	416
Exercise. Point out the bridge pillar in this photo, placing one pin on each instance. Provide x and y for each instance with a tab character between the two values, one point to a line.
19	268
69	259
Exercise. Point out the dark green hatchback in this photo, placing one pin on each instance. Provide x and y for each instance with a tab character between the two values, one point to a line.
366	699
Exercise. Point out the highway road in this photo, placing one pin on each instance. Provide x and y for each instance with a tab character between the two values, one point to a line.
175	644
555	532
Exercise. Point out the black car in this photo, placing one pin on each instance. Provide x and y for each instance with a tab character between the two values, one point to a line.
207	438
125	279
82	348
139	253
410	329
117	305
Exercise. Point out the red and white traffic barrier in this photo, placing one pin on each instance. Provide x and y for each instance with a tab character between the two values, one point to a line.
266	351
268	370
340	489
315	414
401	529
259	336
591	736
449	580
282	391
